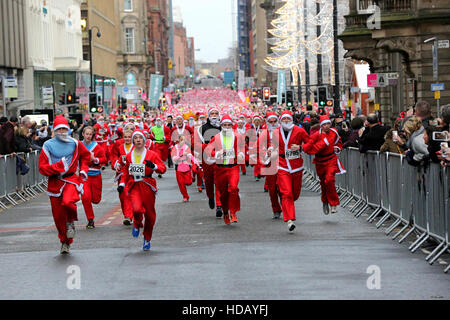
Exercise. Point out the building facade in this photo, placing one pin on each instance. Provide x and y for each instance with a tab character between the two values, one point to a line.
244	32
390	36
13	55
134	62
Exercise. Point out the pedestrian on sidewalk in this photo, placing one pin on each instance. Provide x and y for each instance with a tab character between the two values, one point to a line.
59	161
185	164
141	187
93	186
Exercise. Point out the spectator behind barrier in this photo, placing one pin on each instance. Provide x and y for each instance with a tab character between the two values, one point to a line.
373	136
341	126
356	125
417	153
393	141
22	140
7	138
423	112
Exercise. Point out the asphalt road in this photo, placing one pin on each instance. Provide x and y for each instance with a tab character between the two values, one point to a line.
196	256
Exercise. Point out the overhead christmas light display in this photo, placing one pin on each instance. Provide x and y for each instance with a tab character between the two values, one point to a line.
291	43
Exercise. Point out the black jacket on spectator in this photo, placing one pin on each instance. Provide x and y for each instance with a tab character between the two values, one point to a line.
23	144
372	138
352	140
7	139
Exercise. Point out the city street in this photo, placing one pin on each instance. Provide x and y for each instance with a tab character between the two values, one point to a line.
196	256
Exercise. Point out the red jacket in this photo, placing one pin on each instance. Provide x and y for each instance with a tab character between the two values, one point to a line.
100	155
118	154
289	160
101	133
216	144
186	130
322	145
61	173
129	180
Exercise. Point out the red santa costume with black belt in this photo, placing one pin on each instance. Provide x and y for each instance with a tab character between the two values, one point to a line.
185	163
226	173
325	145
93	186
290	165
137	179
59	161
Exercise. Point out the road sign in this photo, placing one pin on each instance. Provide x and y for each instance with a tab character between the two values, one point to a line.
443	44
372	80
125	89
437	95
392	75
382	80
377	107
437	87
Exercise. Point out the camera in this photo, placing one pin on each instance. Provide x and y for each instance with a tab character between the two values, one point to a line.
440	136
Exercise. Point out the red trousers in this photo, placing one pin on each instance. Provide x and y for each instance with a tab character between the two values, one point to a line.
258	170
208	174
64	210
142	199
184	179
227	183
162	149
326	175
271	182
125	204
290	187
243	168
92	194
106	148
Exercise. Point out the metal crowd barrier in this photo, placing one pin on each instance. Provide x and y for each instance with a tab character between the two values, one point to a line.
15	188
416	198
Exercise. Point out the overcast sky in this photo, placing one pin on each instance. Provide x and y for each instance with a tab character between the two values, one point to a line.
210	23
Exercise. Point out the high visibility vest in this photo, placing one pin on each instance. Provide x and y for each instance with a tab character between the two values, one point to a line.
159	133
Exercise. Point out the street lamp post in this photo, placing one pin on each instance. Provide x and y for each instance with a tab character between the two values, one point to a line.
90	54
435	67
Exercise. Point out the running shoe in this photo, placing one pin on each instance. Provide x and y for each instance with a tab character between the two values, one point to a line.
203	186
70	234
234	218
291	225
219	212
146	246
65	248
160	176
90	224
326	208
186	200
276	215
135	232
226	219
127	221
200	189
333	209
212	203
244	173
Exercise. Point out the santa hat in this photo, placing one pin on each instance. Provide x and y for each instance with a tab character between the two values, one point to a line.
226	119
179	116
213	109
256	116
139	131
270	115
285	114
324	119
60	122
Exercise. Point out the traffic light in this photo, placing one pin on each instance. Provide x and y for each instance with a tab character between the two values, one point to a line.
322	98
254	93
62	99
260	93
76	99
93	102
330	103
289	98
122	104
266	94
69	98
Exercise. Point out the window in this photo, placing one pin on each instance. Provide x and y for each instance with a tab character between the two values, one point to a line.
129	40
128	5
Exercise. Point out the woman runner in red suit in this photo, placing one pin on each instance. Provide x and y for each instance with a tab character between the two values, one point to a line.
140	165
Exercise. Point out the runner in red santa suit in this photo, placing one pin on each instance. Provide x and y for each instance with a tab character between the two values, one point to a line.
326	144
92	190
141	188
59	161
102	134
253	135
269	169
202	138
227	148
287	141
184	163
240	128
119	153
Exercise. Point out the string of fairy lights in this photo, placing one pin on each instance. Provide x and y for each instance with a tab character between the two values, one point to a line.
294	38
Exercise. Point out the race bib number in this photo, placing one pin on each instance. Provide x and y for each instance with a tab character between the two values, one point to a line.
137	171
228	154
291	154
